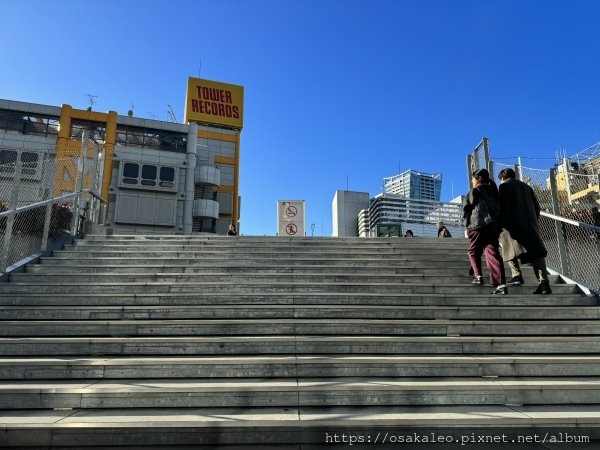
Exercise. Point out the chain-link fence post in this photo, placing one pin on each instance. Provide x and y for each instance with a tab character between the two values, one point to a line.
469	170
96	205
565	165
79	183
490	169
519	169
49	206
486	151
13	203
558	227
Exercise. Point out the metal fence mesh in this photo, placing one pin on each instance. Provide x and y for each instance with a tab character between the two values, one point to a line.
26	233
579	257
32	177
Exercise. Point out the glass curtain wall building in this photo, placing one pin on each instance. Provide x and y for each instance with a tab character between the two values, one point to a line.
415	185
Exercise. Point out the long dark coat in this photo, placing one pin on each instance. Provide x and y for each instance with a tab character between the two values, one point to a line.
519	212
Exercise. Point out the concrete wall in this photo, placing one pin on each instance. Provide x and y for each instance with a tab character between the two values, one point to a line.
344	209
135	209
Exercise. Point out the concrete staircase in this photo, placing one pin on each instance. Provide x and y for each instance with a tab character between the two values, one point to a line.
173	341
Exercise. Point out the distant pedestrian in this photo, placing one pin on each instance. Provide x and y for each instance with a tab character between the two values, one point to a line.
481	213
232	231
519	213
443	232
409	234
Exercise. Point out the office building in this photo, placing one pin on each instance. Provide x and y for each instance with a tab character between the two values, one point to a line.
414	185
411	200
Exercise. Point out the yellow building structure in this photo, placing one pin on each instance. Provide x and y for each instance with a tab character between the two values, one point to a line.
203	198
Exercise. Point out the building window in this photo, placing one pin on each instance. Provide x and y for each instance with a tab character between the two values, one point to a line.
28	124
167	177
8	160
96	130
130	173
30	163
148	176
152	138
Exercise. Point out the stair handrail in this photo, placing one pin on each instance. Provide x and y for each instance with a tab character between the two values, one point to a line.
62	198
11	257
577	223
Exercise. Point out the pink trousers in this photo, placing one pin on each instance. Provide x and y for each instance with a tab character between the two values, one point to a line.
485	242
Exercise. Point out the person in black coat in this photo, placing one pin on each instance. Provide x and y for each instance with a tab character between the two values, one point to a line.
519	213
443	232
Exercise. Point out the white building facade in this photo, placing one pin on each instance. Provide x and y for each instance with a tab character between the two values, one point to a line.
415	185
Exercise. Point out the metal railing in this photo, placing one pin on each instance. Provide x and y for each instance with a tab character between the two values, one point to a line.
45	198
573	249
31	229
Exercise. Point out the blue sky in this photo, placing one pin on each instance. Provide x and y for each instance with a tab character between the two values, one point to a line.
338	93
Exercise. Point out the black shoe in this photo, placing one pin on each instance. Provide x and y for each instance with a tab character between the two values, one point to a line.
500	290
516	281
543	288
477	281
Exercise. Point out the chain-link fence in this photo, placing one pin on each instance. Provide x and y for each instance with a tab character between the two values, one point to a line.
573	249
570	220
478	159
44	199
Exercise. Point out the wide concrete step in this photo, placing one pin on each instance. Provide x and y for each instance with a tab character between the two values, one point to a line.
320	241
520	427
292	311
249	265
474	297
275	252
314	326
265	367
248	392
251	261
293	345
234	267
241	277
272	257
256	287
245	246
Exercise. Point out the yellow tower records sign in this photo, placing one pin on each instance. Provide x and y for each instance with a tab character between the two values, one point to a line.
215	103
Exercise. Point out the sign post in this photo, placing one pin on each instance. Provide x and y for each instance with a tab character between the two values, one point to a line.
290	218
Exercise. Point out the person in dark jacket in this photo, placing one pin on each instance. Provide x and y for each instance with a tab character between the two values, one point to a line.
481	214
443	232
519	213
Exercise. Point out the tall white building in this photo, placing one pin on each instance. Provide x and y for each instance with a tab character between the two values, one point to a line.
414	185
